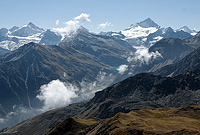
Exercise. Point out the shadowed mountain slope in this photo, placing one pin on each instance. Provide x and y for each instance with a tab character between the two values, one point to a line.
140	91
33	65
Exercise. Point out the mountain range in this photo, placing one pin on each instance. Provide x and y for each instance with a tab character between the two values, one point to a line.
145	33
143	66
33	65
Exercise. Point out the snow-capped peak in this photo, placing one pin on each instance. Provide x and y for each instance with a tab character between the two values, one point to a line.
188	30
146	23
141	29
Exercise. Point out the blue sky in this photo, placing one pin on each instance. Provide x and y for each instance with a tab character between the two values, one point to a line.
120	13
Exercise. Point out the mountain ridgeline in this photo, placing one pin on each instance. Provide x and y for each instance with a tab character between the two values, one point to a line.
109	50
145	33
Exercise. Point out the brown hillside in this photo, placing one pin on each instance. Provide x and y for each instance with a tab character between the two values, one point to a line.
162	121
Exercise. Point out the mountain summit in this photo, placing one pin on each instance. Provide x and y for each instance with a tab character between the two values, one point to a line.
146	23
33	26
27	30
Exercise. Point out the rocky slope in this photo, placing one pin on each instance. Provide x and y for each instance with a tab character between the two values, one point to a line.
33	65
109	50
189	62
162	121
3	51
140	91
194	41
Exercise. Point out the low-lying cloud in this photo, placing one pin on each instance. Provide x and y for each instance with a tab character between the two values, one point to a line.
59	94
143	55
122	68
56	94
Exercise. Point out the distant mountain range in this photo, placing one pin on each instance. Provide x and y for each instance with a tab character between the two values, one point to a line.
145	33
15	37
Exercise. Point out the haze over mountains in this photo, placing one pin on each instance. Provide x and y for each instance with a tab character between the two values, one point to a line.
43	64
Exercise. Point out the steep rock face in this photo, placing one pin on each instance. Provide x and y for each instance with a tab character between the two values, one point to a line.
160	121
34	65
165	33
171	48
3	51
109	50
3	32
145	91
194	41
140	91
50	38
189	62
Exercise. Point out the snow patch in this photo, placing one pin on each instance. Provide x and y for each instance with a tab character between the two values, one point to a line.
138	31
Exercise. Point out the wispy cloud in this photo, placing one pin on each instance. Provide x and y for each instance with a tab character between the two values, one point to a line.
143	55
104	25
72	25
57	22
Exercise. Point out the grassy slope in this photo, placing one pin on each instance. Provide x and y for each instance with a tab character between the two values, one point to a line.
185	120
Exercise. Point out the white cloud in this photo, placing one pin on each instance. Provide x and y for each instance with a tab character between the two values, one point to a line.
56	94
57	22
122	68
83	17
143	55
104	25
72	25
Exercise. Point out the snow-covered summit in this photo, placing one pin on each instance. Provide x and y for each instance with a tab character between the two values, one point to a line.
27	30
141	29
188	30
146	23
